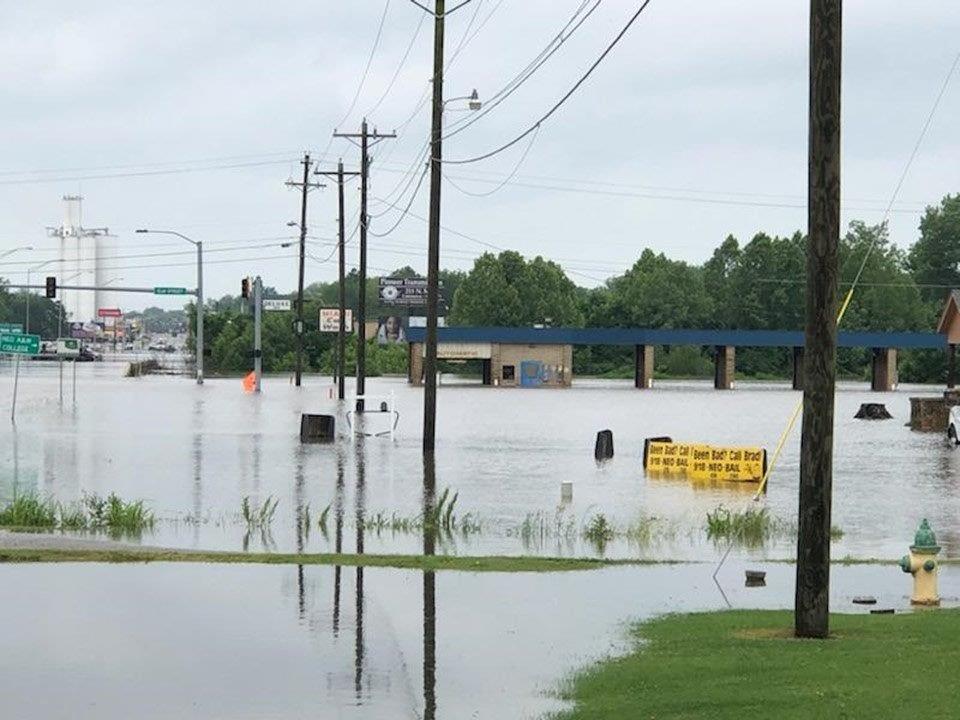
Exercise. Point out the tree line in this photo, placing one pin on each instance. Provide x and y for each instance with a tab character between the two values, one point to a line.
757	284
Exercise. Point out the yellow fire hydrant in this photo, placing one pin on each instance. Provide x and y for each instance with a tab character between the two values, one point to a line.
923	565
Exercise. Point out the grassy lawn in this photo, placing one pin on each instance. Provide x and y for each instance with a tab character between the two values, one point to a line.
746	664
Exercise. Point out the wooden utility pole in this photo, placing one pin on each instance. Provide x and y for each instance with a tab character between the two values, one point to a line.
433	237
812	608
367	139
341	272
305	187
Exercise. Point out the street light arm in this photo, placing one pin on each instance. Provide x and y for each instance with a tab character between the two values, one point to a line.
167	232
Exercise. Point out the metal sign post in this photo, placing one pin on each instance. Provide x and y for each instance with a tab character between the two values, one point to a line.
257	313
16	382
15	343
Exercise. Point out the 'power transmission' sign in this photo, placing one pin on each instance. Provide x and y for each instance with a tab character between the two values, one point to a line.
411	292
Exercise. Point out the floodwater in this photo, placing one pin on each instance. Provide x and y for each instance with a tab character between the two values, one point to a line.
217	641
193	453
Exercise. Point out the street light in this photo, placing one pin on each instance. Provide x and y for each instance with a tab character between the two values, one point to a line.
199	245
473	100
16	249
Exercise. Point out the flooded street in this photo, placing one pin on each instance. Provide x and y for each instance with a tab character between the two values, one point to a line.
214	641
193	453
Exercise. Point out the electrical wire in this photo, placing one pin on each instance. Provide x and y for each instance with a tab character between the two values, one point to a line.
406	210
562	100
518	81
502	184
396	73
141	173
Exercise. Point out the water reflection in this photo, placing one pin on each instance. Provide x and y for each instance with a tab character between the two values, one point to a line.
360	498
429	590
338	538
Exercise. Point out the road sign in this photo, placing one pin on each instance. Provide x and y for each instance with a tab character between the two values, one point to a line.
109	312
169	291
276	304
404	291
19	344
11	328
330	320
68	346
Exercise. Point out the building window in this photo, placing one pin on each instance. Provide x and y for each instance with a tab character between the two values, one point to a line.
508	372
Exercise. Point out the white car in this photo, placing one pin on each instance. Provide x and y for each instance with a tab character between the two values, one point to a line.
953	424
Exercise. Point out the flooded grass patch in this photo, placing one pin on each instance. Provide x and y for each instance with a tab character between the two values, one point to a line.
111	514
752	527
739	664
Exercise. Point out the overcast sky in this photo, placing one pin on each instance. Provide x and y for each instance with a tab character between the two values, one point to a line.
693	128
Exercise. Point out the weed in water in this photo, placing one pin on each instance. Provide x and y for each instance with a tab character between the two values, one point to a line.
258	517
29	511
599	531
751	526
322	522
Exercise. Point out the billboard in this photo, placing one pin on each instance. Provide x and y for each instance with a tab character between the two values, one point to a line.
109	312
409	292
390	330
330	320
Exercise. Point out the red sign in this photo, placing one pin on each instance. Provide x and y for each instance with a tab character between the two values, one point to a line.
109	312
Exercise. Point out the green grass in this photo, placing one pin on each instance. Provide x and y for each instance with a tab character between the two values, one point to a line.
111	514
752	527
492	563
746	664
29	511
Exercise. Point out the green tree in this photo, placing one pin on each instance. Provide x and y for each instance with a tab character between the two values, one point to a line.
506	290
935	257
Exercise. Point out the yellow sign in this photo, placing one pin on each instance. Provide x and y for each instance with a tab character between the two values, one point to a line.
704	462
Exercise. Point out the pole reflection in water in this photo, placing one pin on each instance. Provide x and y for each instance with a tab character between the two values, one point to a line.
302	520
338	540
197	457
429	590
360	498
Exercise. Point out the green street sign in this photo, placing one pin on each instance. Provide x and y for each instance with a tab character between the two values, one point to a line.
169	291
19	344
11	328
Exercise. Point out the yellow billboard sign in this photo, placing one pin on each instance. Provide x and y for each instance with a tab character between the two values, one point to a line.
662	456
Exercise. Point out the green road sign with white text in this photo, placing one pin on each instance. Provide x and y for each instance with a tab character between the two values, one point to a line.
11	328
19	344
169	291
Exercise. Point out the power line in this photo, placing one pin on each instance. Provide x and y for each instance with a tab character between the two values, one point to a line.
518	80
500	185
563	99
400	65
141	173
403	214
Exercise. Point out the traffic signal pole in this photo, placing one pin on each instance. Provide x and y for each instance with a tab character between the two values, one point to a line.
257	345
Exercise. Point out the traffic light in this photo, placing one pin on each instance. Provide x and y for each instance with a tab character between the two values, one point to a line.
245	288
51	286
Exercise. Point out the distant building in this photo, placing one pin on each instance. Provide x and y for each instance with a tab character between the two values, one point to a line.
81	262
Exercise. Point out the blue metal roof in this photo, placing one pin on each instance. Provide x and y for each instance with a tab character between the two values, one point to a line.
663	336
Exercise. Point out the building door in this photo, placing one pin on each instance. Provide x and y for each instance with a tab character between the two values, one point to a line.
531	373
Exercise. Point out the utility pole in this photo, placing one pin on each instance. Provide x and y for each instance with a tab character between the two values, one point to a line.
257	342
341	288
305	187
367	140
812	602
433	236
